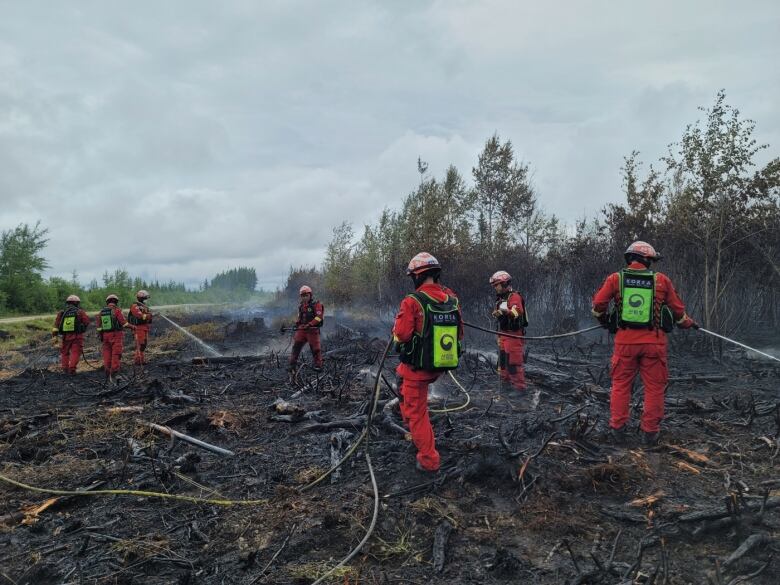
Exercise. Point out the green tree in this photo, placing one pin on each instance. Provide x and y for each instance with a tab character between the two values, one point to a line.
21	268
504	198
337	269
714	203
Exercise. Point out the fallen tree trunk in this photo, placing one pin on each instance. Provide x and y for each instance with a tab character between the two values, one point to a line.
713	514
699	378
750	543
440	545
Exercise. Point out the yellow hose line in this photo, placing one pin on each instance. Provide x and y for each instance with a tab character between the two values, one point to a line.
139	493
454	408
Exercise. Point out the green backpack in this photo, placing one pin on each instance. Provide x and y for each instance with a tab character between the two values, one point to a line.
437	348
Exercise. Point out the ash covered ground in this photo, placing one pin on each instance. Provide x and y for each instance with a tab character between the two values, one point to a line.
530	491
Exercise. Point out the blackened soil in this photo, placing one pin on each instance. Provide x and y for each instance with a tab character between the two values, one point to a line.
532	487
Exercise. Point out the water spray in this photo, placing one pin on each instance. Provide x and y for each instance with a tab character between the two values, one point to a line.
199	341
734	341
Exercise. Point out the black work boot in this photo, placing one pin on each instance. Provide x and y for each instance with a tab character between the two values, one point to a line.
421	468
618	436
650	439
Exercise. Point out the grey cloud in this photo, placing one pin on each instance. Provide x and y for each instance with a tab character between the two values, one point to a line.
176	139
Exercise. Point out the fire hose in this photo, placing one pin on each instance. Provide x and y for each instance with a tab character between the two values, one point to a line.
578	332
514	336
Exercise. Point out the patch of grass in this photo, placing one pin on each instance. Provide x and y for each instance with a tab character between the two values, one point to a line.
168	341
309	474
402	545
207	331
95	425
434	508
147	546
545	516
316	570
59	470
25	334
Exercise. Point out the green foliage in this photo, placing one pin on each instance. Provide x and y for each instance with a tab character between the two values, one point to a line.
715	219
496	221
296	278
24	291
21	266
338	261
237	284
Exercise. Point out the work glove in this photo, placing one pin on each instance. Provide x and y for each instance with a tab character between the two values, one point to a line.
602	318
497	313
688	323
54	341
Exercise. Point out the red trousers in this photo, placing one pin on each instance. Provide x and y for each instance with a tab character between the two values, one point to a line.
302	337
414	410
70	351
511	360
649	359
113	343
141	335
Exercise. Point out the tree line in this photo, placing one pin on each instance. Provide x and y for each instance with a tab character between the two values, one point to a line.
706	205
24	290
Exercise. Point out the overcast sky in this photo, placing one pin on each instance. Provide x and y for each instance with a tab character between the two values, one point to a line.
178	139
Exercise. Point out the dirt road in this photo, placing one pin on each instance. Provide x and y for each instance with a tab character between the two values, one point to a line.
52	315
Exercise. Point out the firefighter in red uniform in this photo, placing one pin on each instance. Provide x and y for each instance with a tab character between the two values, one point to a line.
645	308
71	323
307	329
110	326
511	316
427	331
140	316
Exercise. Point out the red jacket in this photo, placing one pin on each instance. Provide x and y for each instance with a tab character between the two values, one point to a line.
664	293
139	314
311	314
410	320
82	317
515	309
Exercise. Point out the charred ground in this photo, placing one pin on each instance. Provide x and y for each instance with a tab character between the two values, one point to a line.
530	491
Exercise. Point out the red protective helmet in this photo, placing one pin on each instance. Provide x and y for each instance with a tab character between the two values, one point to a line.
500	277
305	290
142	295
112	297
423	262
642	249
72	299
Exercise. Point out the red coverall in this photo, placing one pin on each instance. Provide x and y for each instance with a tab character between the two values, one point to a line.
113	341
141	316
414	383
72	343
642	350
510	350
310	316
